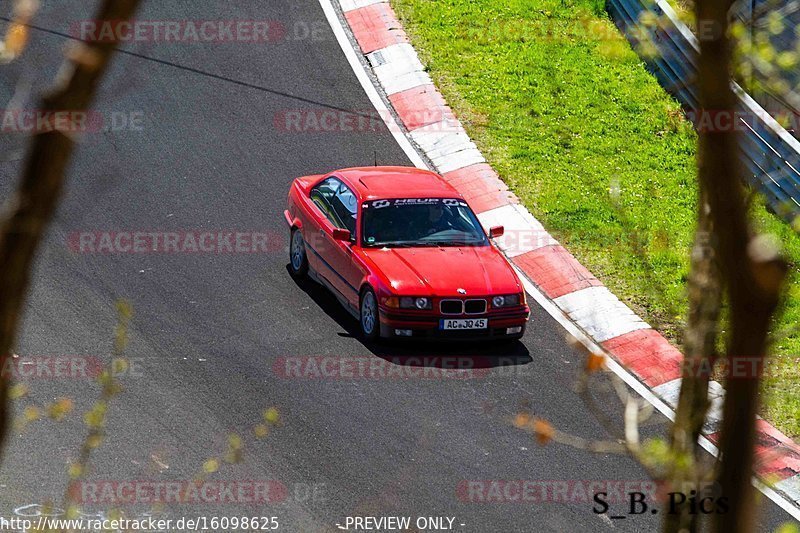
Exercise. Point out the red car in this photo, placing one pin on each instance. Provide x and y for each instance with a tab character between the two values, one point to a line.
404	253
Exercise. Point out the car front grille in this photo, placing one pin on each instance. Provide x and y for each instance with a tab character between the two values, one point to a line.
459	307
451	307
475	307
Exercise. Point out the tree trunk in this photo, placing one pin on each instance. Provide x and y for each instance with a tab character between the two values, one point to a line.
751	273
705	300
32	206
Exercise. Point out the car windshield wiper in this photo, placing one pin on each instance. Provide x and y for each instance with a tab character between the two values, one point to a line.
456	243
397	244
421	244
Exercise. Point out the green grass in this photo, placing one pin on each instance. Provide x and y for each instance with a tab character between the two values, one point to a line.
593	146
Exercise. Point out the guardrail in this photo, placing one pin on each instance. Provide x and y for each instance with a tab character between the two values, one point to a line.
757	16
770	154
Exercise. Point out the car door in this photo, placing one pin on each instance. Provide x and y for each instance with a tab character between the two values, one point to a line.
320	213
343	260
332	257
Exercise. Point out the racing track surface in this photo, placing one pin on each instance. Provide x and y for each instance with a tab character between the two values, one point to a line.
208	328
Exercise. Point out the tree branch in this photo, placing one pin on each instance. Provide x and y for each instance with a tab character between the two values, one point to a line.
31	208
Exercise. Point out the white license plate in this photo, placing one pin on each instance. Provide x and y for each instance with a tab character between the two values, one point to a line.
463	323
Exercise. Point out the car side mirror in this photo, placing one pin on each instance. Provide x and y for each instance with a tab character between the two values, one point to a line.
341	234
496	231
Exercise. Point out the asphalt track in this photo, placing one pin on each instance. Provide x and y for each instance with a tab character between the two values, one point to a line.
209	328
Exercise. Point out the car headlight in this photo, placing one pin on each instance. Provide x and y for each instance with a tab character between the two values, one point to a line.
410	302
508	300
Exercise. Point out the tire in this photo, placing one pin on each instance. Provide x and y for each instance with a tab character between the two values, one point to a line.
298	260
369	317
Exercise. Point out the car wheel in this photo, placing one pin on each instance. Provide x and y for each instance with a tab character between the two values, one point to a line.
369	317
298	261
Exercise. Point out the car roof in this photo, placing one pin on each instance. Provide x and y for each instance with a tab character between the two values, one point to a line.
374	183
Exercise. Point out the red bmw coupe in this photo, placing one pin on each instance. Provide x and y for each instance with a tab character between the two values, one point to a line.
405	255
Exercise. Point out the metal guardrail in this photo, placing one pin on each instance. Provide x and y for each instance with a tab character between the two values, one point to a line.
770	154
757	16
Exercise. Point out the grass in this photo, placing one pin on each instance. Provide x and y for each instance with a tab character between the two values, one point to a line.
566	113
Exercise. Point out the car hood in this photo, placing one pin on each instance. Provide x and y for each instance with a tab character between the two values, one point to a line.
480	270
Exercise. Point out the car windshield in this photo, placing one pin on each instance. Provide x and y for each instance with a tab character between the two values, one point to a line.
420	222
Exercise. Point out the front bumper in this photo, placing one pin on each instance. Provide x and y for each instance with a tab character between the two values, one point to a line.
427	327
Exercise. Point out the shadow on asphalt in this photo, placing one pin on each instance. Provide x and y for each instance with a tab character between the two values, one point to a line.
450	354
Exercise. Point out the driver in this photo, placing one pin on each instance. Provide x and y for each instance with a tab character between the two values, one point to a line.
435	222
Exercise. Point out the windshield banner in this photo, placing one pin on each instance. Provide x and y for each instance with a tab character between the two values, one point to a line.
397	202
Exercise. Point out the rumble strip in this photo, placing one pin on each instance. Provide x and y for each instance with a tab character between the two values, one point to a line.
382	58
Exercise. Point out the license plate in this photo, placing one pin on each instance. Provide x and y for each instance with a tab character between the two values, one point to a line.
463	323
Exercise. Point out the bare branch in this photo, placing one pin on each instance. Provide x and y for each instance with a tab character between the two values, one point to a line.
31	208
